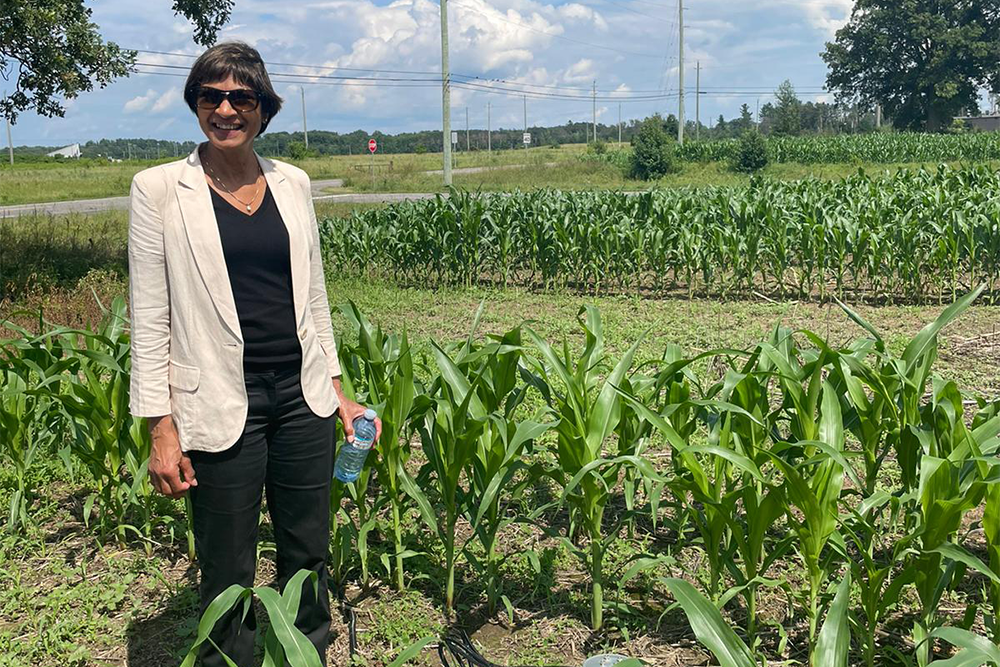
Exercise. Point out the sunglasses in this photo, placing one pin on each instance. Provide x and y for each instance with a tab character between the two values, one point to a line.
241	99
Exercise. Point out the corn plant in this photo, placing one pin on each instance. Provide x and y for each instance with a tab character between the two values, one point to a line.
382	365
914	235
283	643
31	372
450	420
586	410
498	474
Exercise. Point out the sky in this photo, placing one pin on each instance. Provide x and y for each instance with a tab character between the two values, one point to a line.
500	50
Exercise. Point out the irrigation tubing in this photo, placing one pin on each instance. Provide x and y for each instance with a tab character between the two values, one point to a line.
461	650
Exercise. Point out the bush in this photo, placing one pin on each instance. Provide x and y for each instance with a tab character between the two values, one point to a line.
652	151
751	153
597	147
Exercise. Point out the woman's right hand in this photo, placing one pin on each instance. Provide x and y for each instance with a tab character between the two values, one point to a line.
170	468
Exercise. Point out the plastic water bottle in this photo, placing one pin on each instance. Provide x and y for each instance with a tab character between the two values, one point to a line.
353	454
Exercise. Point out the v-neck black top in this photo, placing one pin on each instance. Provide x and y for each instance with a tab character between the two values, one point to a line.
258	261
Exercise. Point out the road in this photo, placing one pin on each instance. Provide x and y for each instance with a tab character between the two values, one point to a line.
318	190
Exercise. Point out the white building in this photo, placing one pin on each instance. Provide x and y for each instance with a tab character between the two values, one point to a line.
73	150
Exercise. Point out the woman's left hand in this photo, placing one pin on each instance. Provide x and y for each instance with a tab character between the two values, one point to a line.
349	411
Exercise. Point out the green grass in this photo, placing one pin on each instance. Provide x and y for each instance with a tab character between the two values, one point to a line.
542	167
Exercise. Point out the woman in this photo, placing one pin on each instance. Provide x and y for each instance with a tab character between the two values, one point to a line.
233	358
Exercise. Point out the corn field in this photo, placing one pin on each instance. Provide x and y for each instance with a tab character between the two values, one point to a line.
879	147
918	236
850	490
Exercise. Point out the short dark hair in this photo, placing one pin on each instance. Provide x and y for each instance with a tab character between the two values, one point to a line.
244	63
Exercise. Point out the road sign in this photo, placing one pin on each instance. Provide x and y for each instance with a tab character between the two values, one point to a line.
454	137
372	145
526	138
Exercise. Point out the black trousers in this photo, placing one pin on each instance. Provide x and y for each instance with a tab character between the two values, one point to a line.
287	450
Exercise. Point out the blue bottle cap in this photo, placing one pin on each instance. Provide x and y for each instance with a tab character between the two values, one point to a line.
370	415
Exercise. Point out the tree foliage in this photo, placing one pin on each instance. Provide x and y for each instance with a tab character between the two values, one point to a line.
751	153
652	150
924	61
51	50
787	111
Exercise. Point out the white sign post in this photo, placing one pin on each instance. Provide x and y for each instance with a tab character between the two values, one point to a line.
372	147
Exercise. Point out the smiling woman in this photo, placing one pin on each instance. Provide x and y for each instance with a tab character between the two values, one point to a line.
234	363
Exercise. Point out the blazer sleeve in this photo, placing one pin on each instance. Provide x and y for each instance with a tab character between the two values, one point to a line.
150	306
318	301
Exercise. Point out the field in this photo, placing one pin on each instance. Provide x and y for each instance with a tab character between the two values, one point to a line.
564	167
629	423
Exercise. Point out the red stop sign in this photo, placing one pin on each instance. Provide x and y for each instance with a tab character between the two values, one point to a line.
372	145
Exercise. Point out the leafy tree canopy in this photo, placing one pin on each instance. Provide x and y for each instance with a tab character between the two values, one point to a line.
51	51
924	61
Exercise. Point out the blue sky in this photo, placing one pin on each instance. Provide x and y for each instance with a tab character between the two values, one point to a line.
558	48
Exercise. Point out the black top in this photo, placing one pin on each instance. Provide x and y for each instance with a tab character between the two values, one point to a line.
260	271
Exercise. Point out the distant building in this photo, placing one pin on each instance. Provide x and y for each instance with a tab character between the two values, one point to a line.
987	123
73	150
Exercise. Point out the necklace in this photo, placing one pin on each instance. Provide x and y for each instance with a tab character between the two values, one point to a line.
215	177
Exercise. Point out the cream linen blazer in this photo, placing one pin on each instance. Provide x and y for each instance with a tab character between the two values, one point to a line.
187	347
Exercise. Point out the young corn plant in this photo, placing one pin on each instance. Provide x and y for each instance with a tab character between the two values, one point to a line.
383	365
952	474
497	473
283	643
31	373
450	419
586	410
831	650
112	445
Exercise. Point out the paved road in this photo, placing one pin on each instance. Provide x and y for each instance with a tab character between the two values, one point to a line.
121	203
318	190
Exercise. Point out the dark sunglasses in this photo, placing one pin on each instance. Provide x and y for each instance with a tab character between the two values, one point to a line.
241	99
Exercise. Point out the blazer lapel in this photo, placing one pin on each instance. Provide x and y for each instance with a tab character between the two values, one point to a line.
202	232
287	198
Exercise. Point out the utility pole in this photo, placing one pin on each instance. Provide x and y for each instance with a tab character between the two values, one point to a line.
878	116
680	99
305	132
489	131
594	97
525	119
697	103
467	129
619	125
445	94
758	114
10	144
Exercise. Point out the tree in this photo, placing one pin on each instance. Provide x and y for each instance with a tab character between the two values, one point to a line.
652	150
924	61
55	52
787	114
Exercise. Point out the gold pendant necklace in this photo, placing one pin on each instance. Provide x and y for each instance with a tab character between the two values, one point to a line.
215	177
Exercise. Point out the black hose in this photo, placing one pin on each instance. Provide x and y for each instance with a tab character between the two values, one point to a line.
462	651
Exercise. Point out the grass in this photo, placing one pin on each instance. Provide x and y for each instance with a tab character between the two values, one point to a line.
541	167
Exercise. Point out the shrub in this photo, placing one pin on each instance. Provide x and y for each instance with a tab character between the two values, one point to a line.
751	153
652	151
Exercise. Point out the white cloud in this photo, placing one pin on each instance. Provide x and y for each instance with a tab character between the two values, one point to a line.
139	103
579	72
167	101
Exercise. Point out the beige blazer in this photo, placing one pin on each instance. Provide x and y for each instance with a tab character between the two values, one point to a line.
187	347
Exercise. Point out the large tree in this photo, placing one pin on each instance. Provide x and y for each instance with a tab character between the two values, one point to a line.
924	61
787	112
51	51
